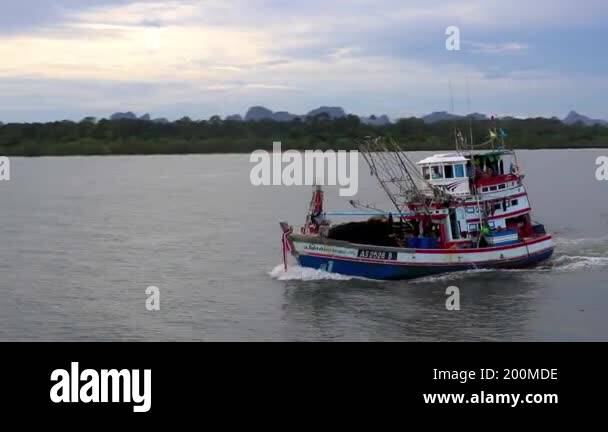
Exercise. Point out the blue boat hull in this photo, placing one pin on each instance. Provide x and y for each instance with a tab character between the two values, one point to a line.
397	272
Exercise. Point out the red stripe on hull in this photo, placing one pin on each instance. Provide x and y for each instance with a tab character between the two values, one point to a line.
489	249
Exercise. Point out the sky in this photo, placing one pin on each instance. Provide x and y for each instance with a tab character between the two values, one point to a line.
67	59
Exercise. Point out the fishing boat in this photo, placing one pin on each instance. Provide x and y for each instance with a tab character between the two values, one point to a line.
452	212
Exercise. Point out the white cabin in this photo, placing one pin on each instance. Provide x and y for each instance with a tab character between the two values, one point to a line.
490	185
447	171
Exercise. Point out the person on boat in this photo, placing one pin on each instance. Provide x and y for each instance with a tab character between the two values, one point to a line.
483	233
477	171
313	228
393	238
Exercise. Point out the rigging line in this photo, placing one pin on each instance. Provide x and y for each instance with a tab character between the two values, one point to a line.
371	160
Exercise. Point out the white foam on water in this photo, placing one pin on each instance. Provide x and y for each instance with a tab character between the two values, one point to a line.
580	241
567	262
296	272
558	263
446	277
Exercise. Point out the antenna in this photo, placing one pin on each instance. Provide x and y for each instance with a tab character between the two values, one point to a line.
469	110
451	99
452	112
468	94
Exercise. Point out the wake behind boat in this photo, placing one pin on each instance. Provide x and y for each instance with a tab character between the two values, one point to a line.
458	211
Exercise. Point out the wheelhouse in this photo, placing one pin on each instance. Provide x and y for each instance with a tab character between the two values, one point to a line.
447	171
491	198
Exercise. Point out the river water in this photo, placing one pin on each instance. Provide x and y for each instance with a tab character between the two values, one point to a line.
83	237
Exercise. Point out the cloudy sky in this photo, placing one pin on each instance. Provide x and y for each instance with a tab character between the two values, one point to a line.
66	59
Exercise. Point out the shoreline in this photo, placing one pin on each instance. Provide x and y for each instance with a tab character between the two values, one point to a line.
589	149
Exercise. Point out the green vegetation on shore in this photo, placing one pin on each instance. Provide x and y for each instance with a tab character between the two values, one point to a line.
124	137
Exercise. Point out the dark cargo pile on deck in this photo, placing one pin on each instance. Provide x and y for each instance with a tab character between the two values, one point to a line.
373	232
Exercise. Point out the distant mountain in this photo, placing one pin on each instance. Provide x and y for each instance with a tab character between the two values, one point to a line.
332	112
132	116
477	116
438	116
372	120
258	113
284	116
573	117
123	116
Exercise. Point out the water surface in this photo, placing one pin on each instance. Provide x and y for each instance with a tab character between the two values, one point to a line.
82	238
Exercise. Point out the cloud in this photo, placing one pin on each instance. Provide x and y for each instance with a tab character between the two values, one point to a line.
537	75
112	44
342	52
495	48
30	15
370	56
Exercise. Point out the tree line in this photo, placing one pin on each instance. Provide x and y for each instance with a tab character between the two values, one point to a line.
127	137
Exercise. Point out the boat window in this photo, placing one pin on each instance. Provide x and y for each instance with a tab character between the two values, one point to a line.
470	209
448	171
473	227
497	206
492	224
458	170
485	189
493	188
514	202
502	186
436	172
426	173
